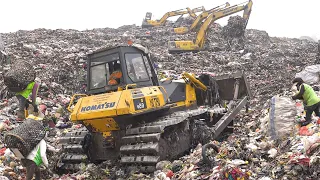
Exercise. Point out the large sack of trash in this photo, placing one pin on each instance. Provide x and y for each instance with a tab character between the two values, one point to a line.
19	76
280	121
25	137
310	74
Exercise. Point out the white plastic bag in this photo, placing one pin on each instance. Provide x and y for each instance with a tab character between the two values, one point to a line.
310	74
308	141
281	117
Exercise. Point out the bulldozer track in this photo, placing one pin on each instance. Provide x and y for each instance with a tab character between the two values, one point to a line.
73	154
144	146
141	148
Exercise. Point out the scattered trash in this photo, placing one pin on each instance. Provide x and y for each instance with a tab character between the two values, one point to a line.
266	143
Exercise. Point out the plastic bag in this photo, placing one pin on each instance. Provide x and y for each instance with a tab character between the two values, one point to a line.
281	117
310	140
310	74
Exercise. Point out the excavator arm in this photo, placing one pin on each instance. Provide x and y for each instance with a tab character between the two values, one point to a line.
200	18
195	10
150	23
183	46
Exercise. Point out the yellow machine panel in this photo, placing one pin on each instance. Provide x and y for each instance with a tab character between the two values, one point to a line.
180	30
98	106
131	101
183	45
102	125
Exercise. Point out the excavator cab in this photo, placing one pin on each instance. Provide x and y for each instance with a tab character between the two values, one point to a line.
117	68
148	16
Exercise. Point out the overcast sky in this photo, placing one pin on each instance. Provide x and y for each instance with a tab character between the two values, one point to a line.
289	18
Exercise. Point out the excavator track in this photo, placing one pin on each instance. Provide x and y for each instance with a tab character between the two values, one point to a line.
144	146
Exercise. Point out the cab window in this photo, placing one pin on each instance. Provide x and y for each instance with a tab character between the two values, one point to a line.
147	65
99	74
136	68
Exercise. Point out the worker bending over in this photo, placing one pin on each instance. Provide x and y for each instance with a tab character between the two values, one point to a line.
35	159
310	99
23	97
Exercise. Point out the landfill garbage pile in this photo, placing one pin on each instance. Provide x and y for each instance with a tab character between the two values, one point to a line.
59	56
235	28
268	147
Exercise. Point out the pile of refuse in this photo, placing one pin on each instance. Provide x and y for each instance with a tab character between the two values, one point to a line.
235	28
256	150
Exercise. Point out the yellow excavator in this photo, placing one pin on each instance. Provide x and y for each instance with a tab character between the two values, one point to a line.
147	22
197	45
141	120
199	19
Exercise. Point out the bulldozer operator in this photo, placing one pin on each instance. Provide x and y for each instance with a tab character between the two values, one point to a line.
115	75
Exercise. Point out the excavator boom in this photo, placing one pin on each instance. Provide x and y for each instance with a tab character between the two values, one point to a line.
147	22
183	46
199	18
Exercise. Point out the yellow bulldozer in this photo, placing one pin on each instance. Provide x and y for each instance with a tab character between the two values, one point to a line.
139	120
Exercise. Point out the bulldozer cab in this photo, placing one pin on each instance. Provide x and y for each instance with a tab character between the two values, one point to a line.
113	68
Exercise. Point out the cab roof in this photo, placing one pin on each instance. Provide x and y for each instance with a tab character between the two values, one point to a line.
134	46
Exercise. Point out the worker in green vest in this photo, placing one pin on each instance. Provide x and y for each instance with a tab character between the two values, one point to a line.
23	97
36	158
310	99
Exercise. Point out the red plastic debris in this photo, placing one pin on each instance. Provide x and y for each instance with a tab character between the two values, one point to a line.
170	174
42	108
2	150
304	131
78	126
295	159
318	122
7	121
